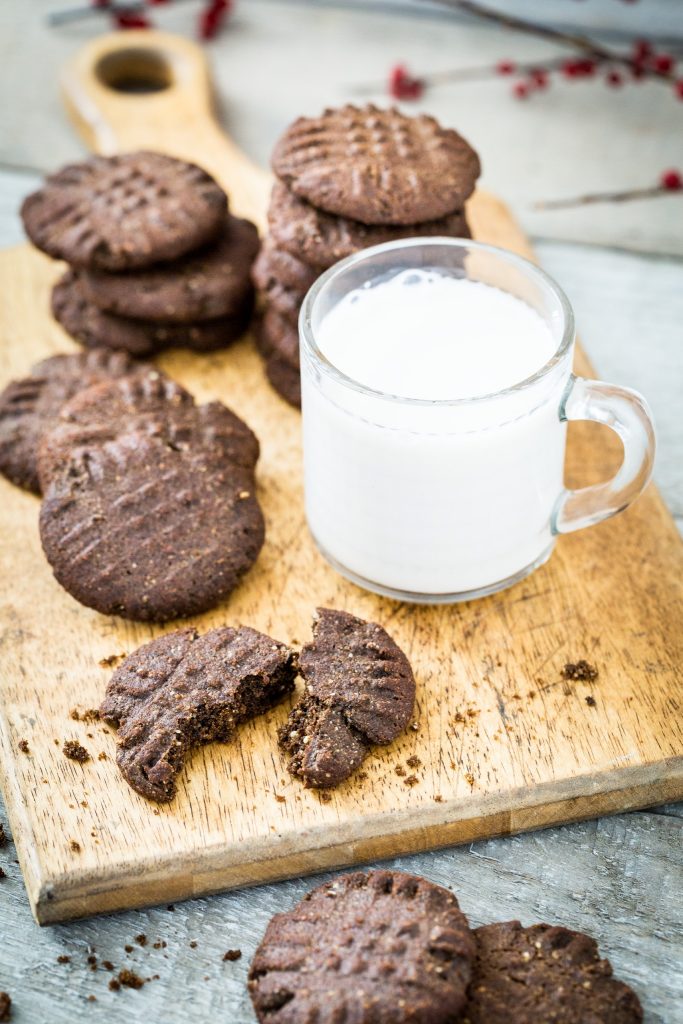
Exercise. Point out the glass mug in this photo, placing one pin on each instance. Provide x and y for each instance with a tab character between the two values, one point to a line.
442	501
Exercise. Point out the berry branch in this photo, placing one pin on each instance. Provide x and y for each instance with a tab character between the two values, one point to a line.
669	181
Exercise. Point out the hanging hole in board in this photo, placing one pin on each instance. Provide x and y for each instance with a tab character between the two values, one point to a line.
135	71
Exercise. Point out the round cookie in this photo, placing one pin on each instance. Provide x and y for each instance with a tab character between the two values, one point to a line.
126	211
322	238
150	509
544	973
377	166
287	301
285	379
214	282
279	335
30	406
359	690
376	947
94	328
278	265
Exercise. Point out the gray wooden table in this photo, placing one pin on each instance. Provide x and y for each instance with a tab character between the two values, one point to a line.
618	878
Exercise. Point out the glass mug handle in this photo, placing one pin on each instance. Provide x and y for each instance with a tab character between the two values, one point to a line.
626	413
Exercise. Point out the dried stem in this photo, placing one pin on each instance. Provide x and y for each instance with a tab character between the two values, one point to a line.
577	41
603	197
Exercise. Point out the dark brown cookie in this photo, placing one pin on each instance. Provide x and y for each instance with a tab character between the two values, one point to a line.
360	690
184	690
376	947
279	335
214	282
94	328
544	973
377	166
274	265
150	509
121	212
30	406
322	238
287	301
285	379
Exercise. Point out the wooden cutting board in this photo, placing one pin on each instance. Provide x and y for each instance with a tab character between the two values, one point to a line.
503	743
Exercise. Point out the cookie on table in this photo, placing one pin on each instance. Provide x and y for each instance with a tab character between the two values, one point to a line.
278	265
376	947
321	239
30	406
94	328
544	973
359	691
149	508
124	212
279	335
213	282
184	690
377	166
284	378
287	301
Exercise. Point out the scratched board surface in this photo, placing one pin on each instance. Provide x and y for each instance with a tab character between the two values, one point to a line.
503	742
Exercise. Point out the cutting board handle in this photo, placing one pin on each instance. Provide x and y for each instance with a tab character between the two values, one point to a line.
125	88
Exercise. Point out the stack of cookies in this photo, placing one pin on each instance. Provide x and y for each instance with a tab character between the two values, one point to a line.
155	258
349	179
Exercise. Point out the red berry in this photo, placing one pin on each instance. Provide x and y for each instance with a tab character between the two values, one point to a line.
520	90
130	20
642	49
614	79
671	180
539	78
211	18
403	85
678	89
506	67
583	68
663	62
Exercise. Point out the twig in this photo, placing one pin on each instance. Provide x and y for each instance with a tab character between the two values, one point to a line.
577	41
603	197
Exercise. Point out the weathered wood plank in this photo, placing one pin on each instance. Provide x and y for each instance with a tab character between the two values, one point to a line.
618	878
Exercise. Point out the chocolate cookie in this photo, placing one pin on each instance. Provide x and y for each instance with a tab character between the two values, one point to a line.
28	407
285	379
150	509
322	238
279	335
275	265
377	166
287	301
376	947
184	690
544	973
360	690
214	282
120	212
94	328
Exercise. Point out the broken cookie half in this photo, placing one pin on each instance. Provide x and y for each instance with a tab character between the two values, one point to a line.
183	690
359	691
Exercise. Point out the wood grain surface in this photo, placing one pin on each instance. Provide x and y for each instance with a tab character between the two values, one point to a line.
504	743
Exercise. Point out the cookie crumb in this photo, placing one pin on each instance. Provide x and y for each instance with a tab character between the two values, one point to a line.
280	799
88	716
590	701
414	762
232	954
325	796
75	752
141	939
74	846
114	985
438	799
108	965
102	756
469	778
92	960
193	944
3	874
399	769
159	944
5	1006
170	907
91	999
128	949
412	780
24	747
129	979
3	837
111	660
580	671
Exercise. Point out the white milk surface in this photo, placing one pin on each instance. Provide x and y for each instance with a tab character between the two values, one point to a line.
443	499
